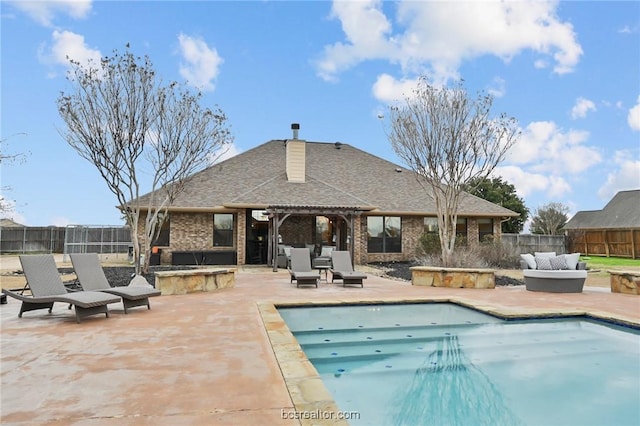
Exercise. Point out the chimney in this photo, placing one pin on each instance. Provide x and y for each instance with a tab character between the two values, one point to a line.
296	157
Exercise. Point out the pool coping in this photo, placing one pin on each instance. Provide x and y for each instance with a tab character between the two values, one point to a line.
314	404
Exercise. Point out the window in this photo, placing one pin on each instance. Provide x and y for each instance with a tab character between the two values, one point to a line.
485	228
461	227
163	236
431	225
384	234
223	230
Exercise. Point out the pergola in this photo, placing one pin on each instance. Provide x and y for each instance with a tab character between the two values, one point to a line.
279	213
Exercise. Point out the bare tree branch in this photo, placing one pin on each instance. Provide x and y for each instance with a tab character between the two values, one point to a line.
124	121
449	141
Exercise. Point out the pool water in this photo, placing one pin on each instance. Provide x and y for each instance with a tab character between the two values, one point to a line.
440	363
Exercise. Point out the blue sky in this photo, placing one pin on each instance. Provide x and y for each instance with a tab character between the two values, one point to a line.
569	72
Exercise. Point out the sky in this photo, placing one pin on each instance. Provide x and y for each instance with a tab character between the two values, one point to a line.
569	72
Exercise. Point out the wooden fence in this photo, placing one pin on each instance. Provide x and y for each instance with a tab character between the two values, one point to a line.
606	242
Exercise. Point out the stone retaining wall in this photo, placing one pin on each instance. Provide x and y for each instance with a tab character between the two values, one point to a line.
627	282
193	280
453	277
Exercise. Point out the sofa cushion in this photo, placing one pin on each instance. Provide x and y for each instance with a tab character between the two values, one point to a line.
558	262
543	262
572	260
555	274
531	261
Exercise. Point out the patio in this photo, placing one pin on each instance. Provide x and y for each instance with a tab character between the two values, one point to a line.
205	358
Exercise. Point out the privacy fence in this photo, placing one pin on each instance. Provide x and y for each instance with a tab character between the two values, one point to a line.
102	239
31	239
606	242
530	243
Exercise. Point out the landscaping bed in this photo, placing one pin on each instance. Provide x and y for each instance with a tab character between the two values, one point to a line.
402	271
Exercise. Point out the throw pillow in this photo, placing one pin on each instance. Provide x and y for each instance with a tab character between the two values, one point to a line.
545	254
543	262
139	281
531	261
572	260
558	262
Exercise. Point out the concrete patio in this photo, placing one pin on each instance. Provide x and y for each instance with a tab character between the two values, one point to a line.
207	358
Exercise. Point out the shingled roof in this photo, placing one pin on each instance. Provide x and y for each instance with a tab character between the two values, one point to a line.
336	175
622	212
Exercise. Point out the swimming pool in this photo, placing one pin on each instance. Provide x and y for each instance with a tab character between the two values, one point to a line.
440	363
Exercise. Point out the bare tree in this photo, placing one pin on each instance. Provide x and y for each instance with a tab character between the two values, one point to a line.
449	141
138	132
549	219
6	206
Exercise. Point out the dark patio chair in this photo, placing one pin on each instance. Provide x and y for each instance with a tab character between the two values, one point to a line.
300	268
91	277
343	269
47	288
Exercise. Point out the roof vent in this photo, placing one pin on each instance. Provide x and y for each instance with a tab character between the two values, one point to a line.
338	145
398	170
295	127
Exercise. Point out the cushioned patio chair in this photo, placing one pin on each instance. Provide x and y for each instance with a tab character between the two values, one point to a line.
324	260
91	277
47	288
300	268
342	268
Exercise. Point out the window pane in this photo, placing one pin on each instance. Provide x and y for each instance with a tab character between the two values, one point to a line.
393	234
485	228
375	234
165	232
223	230
392	226
431	224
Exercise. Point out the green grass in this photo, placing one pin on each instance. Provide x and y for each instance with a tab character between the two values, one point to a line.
597	262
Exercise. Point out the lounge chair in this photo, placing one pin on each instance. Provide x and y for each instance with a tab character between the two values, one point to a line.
300	268
91	277
343	269
47	288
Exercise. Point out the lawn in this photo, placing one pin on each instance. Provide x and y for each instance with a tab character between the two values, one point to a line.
597	262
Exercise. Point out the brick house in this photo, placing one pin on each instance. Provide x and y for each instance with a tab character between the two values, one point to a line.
313	194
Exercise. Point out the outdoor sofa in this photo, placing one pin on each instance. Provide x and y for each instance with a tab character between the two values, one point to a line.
548	272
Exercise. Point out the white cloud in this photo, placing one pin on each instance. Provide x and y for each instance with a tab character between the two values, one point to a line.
68	45
544	148
527	183
366	29
388	89
582	107
202	63
436	37
498	87
225	153
634	116
44	12
60	221
625	176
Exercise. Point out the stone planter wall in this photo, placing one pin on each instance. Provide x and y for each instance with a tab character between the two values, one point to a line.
193	280
627	282
431	276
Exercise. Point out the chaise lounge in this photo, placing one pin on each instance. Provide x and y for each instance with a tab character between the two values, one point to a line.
343	269
47	288
91	277
546	272
300	268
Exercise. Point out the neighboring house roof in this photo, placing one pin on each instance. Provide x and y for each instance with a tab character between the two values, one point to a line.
623	211
8	223
336	175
